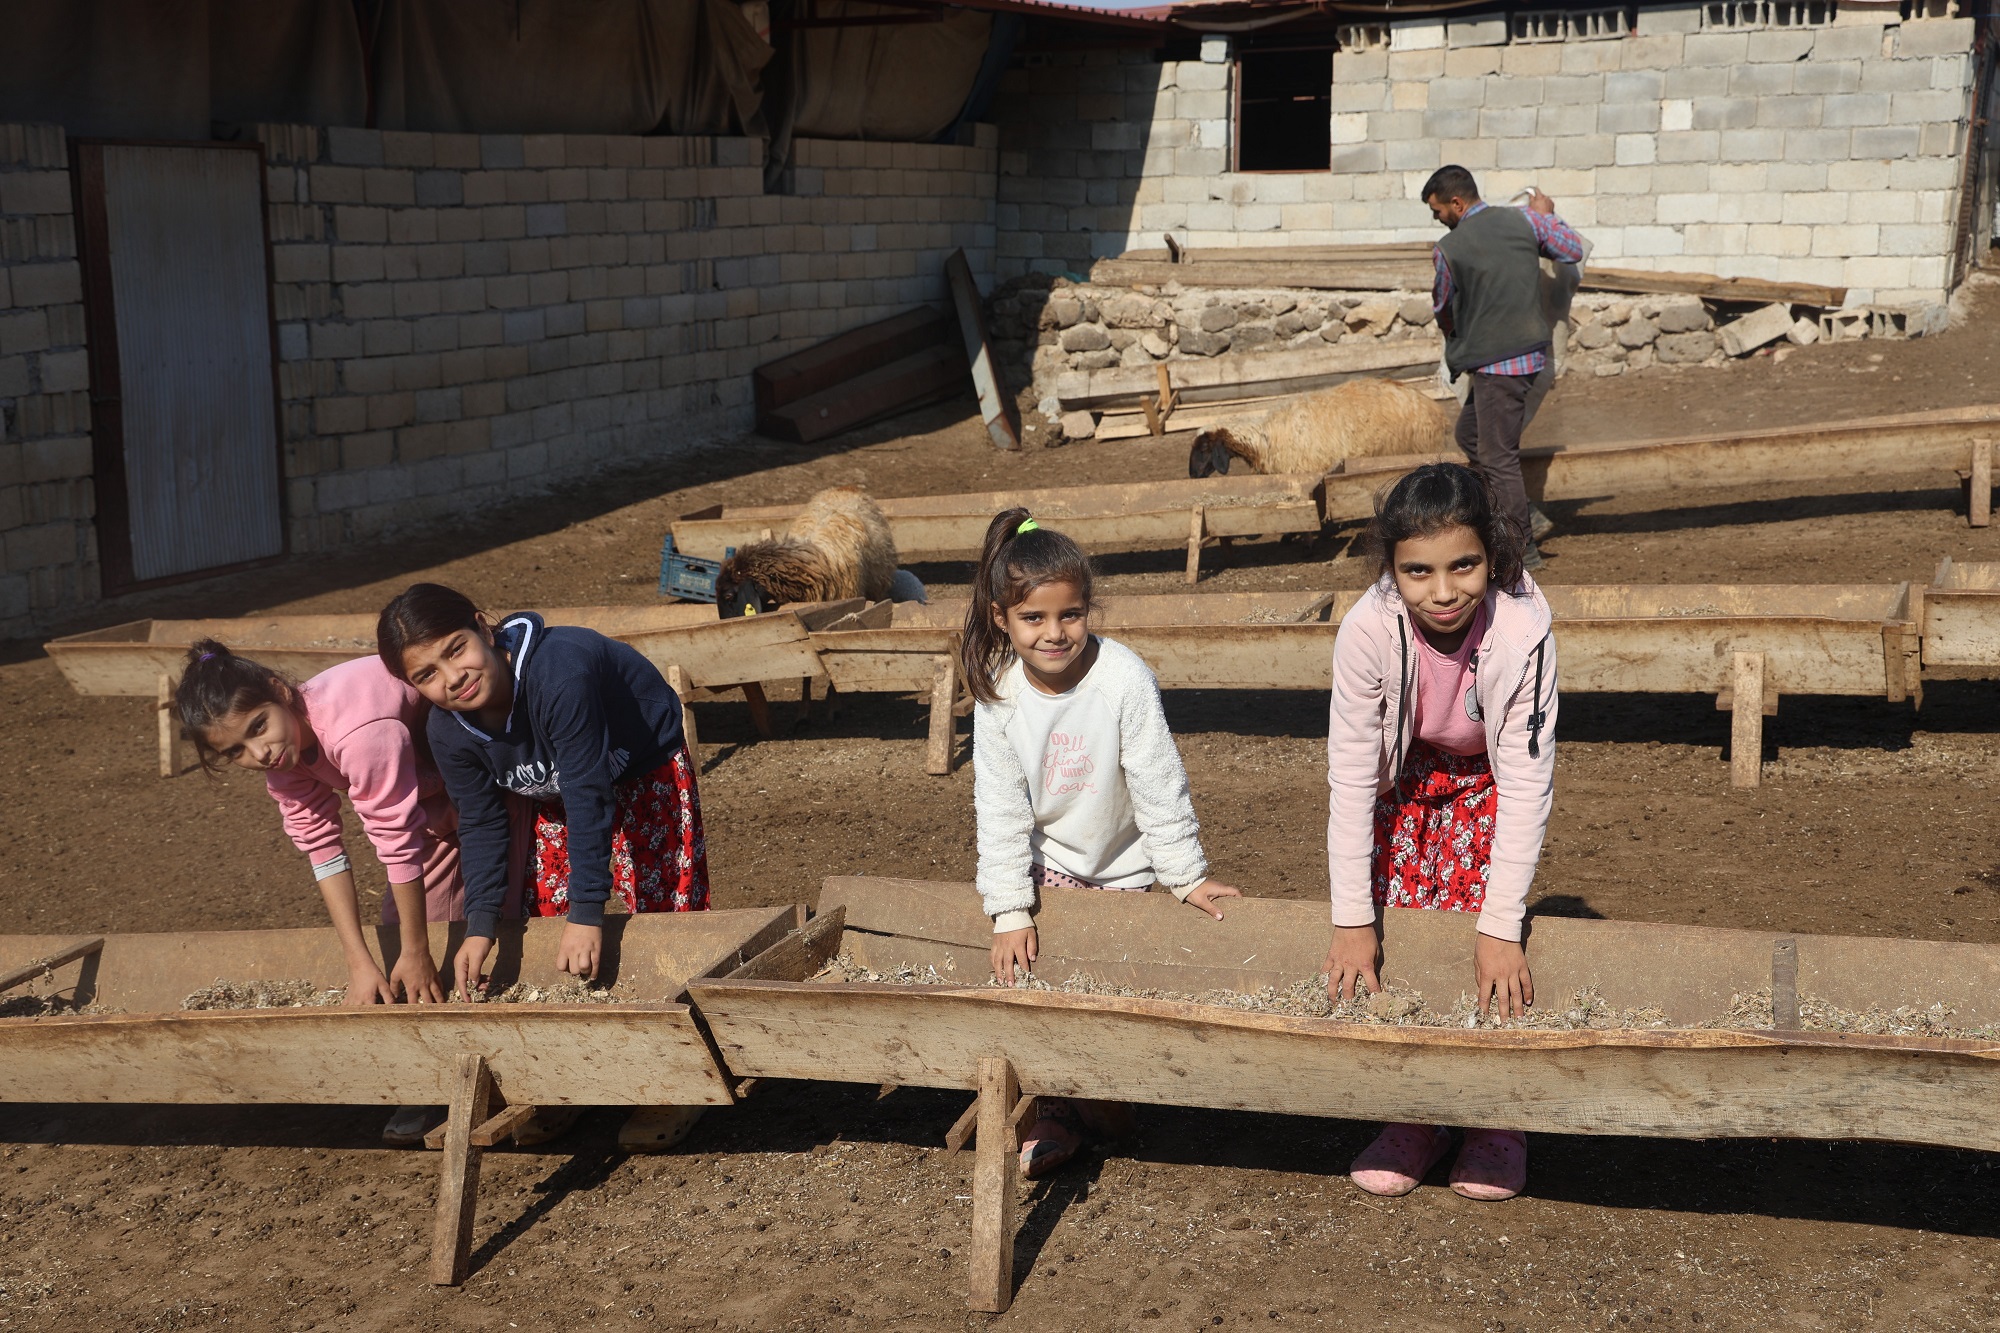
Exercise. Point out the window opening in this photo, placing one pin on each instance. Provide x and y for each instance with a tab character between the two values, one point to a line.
1284	110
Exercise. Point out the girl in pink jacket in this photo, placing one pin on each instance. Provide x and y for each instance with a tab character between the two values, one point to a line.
1441	764
352	729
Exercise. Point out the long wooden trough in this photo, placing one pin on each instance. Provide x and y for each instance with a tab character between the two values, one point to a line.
1119	517
645	1051
1680	1080
143	657
1944	441
1741	642
1961	617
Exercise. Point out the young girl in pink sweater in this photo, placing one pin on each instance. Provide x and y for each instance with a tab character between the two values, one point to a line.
1441	764
352	729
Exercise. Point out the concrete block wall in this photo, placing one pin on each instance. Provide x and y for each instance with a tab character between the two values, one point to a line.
48	547
1824	154
463	318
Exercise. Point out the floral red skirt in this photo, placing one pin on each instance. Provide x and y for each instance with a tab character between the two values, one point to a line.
1434	849
659	857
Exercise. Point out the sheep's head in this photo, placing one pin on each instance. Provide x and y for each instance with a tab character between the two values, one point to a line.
736	591
1210	454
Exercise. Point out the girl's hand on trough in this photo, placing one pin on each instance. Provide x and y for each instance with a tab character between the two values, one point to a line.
1014	949
470	964
1353	959
1501	970
1203	896
578	951
415	978
368	987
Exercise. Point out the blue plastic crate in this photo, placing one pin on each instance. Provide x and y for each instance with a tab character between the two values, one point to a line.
688	577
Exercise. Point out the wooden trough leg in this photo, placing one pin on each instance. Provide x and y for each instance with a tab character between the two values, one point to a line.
1195	529
170	731
760	708
678	681
1979	511
1746	722
458	1179
944	694
993	1172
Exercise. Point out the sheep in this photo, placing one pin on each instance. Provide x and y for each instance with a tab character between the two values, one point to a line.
1314	433
839	546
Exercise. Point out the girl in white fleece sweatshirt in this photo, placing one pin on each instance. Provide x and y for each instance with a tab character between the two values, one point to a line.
1076	781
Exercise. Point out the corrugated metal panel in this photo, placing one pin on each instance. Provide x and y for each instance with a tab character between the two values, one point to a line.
186	233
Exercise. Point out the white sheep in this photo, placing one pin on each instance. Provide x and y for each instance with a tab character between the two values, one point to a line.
1314	433
839	546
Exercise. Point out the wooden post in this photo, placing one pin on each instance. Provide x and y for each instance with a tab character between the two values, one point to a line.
1785	985
458	1178
1746	722
170	731
760	709
677	679
944	694
993	1173
1980	509
1195	527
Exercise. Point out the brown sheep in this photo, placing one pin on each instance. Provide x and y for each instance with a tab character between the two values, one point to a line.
1313	434
839	546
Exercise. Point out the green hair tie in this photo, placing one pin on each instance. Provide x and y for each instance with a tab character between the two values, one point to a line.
1027	525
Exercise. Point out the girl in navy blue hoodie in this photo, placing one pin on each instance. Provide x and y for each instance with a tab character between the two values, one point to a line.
580	724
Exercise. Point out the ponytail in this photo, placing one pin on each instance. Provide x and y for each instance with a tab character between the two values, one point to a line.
215	683
1018	557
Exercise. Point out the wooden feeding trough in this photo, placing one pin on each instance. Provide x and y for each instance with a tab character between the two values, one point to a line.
1121	517
910	647
646	1052
1943	441
1745	643
1680	1080
702	656
1961	617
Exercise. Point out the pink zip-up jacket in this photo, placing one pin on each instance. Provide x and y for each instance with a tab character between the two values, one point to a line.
368	725
1372	721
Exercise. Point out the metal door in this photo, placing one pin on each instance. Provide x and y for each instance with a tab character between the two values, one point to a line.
184	399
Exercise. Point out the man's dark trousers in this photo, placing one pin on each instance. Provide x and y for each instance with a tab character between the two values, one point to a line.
1489	431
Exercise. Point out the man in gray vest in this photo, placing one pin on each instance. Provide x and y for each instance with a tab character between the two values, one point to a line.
1488	301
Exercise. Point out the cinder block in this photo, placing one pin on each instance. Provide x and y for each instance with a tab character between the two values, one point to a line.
1489	31
1504	90
1823	145
1652	20
1911	109
1664	51
1642	242
1416	35
1592	57
1636	150
1454	123
27	331
1951	72
1934	37
46	284
1760	80
1686	208
327	184
1846	240
1697	81
1895	76
1413	155
1716	48
353	147
1350	97
1859	41
1924	173
1473	154
1827	207
1780	45
1526	153
1532	60
1869	177
1883	205
1715	239
1215	78
1834	76
1876	271
1573	90
1940	139
1214	51
1886	141
1416	64
1688	146
1508	123
1360	157
1916	239
1634	86
1722	113
1752	206
1790	113
1855	109
1628	118
1448	93
1559	122
1783	242
1586	151
1796	177
1348	67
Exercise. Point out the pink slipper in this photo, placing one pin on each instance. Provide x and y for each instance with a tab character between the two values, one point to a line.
1493	1165
1056	1137
1399	1158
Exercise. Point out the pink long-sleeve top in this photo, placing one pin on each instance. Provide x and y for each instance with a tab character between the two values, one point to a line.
368	725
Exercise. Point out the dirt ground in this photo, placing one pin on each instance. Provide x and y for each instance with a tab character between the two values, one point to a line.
820	1206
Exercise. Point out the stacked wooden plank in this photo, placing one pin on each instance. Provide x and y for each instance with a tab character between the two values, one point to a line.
875	371
1408	267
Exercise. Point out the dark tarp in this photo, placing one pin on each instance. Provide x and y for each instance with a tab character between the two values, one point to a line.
173	69
903	82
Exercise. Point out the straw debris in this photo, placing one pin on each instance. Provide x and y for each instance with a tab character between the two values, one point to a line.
299	994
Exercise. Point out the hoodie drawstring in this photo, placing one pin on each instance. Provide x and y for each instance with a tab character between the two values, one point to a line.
1536	717
1402	698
